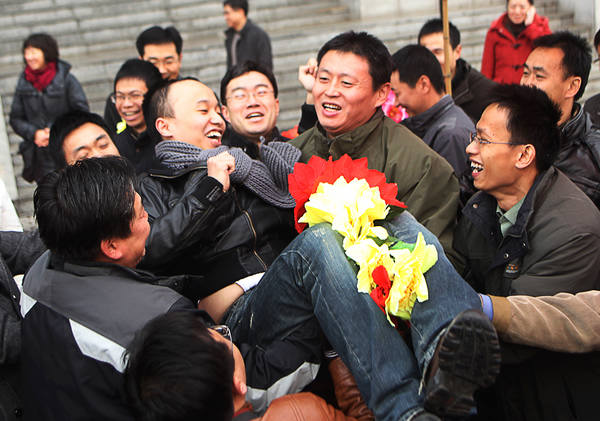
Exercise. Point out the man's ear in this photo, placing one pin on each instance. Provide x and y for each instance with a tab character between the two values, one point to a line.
424	84
382	93
163	127
225	112
239	386
574	86
457	52
110	249
526	156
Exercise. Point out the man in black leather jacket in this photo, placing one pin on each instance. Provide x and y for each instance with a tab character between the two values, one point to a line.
560	65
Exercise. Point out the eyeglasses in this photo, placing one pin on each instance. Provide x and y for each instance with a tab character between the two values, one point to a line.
225	332
242	95
474	138
135	96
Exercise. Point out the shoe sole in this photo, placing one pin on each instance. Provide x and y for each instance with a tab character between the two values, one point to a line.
469	359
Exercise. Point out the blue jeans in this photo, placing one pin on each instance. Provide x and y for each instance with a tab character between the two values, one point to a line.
311	288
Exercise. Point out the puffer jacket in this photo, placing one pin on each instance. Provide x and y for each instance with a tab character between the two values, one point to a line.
504	55
579	155
198	229
33	110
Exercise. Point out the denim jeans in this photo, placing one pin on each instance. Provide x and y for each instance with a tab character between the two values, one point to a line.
311	288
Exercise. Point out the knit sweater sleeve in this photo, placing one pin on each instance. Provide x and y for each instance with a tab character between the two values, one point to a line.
280	157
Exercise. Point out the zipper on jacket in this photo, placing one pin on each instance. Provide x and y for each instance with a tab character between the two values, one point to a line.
251	224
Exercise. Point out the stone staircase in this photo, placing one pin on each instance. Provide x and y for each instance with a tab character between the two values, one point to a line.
97	36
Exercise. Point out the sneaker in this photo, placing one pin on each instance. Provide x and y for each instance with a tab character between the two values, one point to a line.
467	358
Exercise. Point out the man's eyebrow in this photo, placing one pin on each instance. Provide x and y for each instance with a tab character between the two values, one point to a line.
100	137
341	74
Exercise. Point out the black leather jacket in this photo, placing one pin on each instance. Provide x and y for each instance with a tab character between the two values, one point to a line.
198	229
579	155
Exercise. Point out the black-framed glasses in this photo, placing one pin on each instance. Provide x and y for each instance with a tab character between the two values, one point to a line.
242	95
474	138
225	332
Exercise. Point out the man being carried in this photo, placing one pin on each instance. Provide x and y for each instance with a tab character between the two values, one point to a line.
418	84
515	240
470	88
352	82
560	65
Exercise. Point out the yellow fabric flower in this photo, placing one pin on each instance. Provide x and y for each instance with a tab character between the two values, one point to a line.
368	255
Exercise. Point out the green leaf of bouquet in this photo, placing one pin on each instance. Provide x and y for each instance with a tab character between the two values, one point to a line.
399	245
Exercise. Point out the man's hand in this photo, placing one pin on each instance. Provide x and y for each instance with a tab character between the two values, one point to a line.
41	137
220	166
307	74
530	16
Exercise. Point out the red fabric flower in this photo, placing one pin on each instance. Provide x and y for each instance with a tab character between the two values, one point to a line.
381	292
306	178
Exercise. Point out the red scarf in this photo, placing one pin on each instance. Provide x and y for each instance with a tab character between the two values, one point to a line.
42	77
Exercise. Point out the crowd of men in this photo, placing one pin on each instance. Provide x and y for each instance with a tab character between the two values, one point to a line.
168	283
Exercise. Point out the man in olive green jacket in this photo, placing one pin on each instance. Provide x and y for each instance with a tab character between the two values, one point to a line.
351	84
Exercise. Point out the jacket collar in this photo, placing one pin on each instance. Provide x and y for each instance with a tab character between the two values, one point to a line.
460	82
419	124
576	127
230	31
350	142
481	211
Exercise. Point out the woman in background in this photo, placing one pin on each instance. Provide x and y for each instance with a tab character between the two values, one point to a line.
45	90
510	40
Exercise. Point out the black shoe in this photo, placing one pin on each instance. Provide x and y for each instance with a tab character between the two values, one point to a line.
468	358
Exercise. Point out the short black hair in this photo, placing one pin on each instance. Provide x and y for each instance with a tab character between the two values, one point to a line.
44	42
597	39
434	26
366	46
178	372
80	205
532	118
241	69
577	55
64	125
157	35
237	4
136	68
414	61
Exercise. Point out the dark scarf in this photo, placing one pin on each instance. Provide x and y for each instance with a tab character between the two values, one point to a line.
42	77
267	178
514	28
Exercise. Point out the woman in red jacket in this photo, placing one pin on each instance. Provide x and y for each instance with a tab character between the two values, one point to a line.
509	41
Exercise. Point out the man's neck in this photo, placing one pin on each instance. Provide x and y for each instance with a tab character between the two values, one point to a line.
566	111
512	195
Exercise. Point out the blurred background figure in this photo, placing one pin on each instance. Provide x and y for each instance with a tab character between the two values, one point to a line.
509	41
44	91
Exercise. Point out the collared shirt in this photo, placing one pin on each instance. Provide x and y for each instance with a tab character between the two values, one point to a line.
509	218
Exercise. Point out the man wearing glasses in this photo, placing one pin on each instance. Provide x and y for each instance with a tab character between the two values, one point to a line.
250	106
529	231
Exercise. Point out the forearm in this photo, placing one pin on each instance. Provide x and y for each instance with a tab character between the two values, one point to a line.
218	303
563	322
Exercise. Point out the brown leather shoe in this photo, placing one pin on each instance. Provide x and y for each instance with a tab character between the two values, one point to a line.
346	391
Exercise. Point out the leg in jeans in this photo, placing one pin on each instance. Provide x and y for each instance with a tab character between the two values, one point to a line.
312	284
449	294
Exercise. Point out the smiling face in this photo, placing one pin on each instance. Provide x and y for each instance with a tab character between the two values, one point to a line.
252	108
133	246
165	58
129	96
87	141
343	92
517	10
494	165
197	119
34	57
407	97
